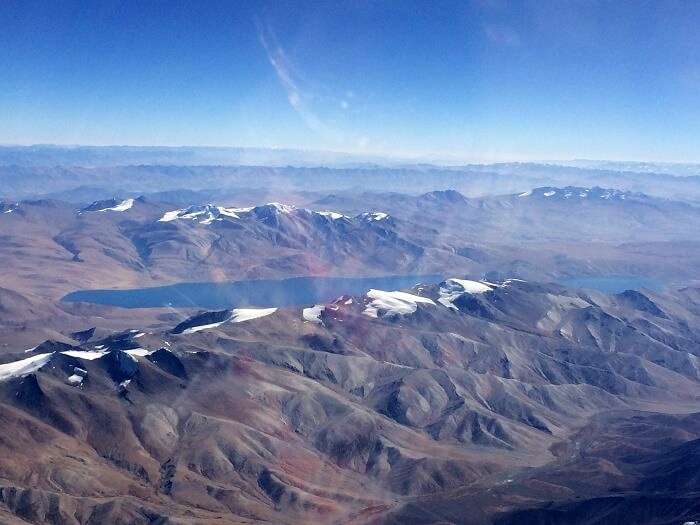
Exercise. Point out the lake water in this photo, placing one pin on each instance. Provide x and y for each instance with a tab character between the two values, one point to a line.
613	283
281	292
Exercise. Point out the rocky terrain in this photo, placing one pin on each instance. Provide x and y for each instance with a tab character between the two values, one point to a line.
396	407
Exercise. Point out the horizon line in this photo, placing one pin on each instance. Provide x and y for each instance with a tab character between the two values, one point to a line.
418	158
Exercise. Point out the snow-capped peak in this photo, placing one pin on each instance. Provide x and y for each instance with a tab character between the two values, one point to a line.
334	215
124	205
209	213
205	214
374	216
282	208
109	205
576	193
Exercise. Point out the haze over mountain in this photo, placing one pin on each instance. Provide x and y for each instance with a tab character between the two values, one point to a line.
110	156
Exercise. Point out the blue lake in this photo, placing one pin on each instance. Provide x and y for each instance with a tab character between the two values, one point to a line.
280	292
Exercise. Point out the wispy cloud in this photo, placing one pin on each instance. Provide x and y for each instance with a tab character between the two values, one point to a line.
299	98
306	98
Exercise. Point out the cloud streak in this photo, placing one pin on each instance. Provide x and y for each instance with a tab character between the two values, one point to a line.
303	99
299	99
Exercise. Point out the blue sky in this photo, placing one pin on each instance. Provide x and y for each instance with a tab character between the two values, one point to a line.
474	80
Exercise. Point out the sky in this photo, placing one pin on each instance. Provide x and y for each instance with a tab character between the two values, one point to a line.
472	80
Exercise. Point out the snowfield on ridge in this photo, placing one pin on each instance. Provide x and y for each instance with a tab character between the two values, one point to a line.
393	303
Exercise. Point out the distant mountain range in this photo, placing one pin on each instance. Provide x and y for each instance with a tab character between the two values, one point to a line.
90	173
94	156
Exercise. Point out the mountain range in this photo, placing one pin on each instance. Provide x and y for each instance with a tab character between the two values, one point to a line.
491	395
393	407
542	234
145	173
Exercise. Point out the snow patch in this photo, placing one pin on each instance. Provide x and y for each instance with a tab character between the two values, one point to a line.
88	355
239	315
194	329
23	366
122	206
334	215
313	314
209	213
240	210
472	286
75	380
282	208
140	352
203	214
525	194
393	303
376	216
170	216
549	193
451	289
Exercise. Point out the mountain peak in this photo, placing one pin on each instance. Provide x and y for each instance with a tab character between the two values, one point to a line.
209	213
447	196
113	204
